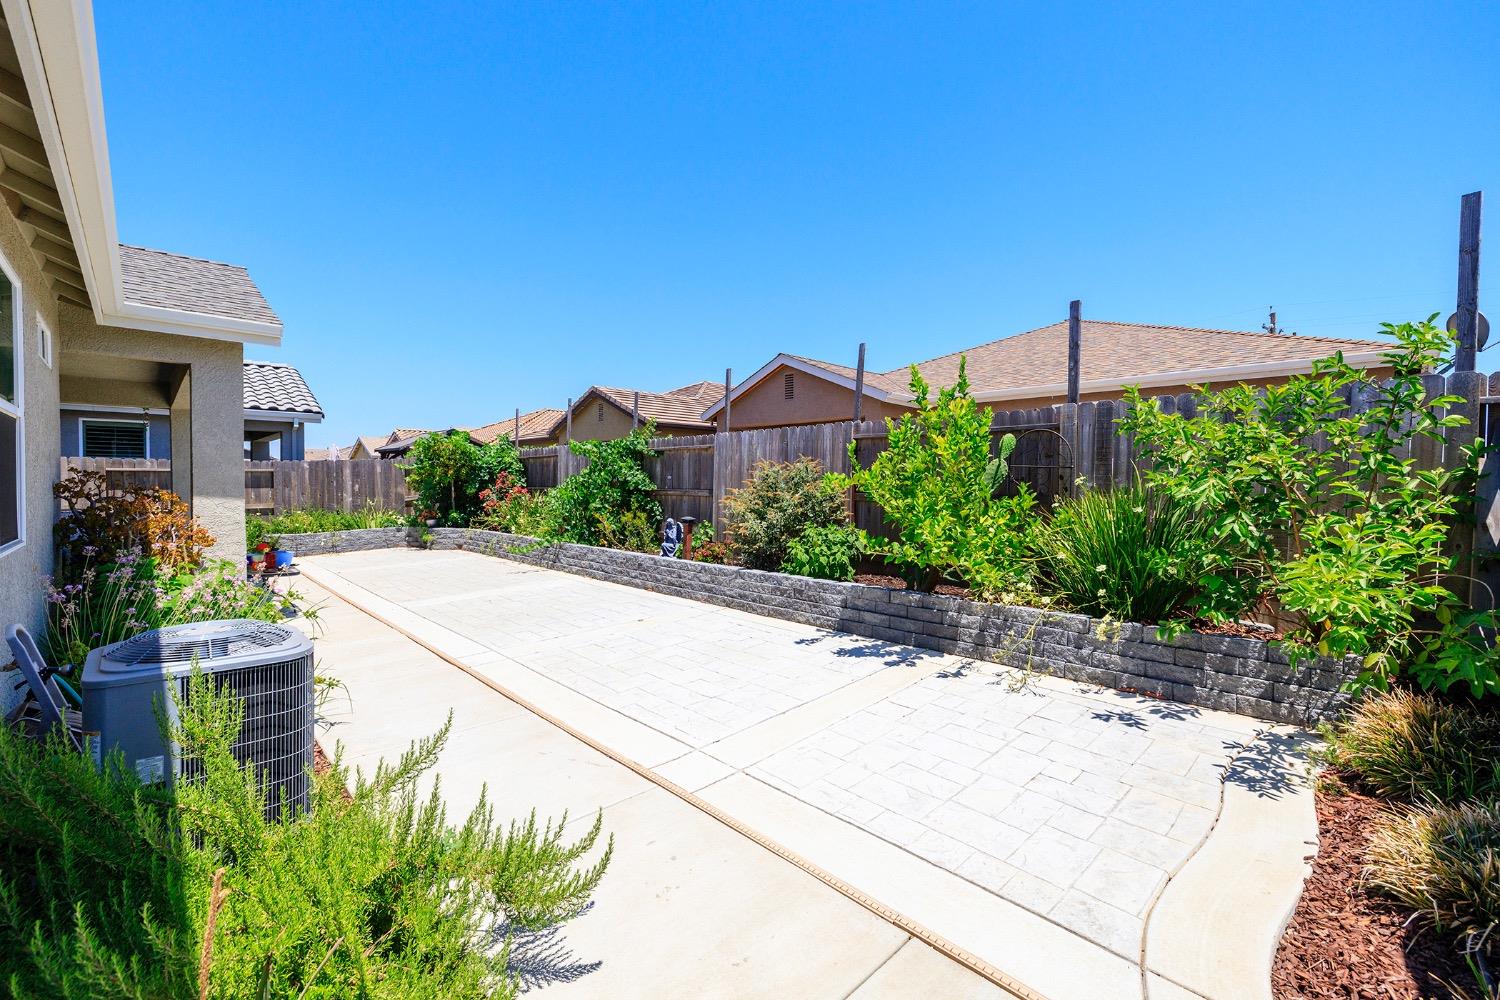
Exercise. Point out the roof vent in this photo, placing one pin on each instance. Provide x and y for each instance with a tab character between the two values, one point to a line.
791	388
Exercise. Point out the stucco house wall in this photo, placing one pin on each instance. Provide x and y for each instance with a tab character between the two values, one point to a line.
588	425
23	567
158	428
814	401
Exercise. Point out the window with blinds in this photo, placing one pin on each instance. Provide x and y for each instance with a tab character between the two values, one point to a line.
114	439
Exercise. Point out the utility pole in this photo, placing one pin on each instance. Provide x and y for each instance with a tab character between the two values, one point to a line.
1075	348
859	385
569	436
635	410
1468	281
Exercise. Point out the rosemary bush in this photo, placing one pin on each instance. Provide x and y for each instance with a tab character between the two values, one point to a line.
110	889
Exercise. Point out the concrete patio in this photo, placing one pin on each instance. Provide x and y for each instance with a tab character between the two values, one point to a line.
1087	842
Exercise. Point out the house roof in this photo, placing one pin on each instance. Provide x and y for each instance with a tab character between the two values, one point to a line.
534	424
208	287
278	388
1035	363
327	454
369	441
680	407
400	445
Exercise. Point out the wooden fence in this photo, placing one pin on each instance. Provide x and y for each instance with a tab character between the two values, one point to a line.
274	487
1059	449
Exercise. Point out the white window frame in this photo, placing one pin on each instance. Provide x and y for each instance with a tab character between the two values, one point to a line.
17	409
83	442
44	346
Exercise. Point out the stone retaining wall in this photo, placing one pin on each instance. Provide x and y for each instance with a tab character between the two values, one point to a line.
353	540
1233	674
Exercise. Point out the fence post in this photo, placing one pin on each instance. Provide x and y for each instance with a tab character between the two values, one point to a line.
1468	281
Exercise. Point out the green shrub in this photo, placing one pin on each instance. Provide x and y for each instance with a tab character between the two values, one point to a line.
824	553
510	507
1416	746
630	531
105	884
1326	512
448	471
1444	863
593	502
778	502
1129	554
936	483
269	528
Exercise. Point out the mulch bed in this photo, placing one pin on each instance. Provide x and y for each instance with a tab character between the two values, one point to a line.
896	583
1344	943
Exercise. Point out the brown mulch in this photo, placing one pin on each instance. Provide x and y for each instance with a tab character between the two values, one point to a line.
1242	630
1344	943
896	583
322	765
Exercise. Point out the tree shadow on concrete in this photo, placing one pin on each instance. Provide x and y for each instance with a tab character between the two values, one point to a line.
540	957
1273	764
891	654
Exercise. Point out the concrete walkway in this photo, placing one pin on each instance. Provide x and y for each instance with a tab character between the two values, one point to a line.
1061	832
688	908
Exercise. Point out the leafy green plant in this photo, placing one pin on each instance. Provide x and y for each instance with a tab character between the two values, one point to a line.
1130	554
1442	861
261	527
777	503
1417	746
630	531
936	485
448	471
595	500
109	888
825	552
1324	512
510	507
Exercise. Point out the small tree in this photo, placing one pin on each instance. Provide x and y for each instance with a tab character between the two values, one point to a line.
591	506
936	484
448	471
776	505
1323	512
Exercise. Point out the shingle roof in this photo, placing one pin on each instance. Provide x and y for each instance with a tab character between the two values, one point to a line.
1118	352
173	281
680	407
278	388
369	441
535	425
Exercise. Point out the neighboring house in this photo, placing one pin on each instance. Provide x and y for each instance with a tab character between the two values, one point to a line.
605	413
403	438
278	406
1031	370
530	430
87	320
364	446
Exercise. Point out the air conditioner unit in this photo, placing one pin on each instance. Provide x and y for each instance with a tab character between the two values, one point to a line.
268	667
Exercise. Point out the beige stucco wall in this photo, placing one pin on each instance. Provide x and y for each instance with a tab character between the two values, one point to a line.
22	569
814	401
616	424
207	411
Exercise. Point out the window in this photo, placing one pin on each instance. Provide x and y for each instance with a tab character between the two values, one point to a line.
12	421
114	438
43	341
791	388
599	412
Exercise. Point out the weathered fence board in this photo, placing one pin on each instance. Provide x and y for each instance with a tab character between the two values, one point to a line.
274	487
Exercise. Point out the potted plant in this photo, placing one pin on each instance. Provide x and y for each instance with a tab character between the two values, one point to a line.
430	517
262	559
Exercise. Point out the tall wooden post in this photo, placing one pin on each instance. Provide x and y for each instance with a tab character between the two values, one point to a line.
568	435
728	377
859	385
635	410
1468	281
1075	348
517	439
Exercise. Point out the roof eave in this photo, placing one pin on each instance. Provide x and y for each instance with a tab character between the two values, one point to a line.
1190	376
59	62
284	416
760	374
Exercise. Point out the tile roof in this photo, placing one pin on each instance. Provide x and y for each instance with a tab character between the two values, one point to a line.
173	281
535	425
369	442
1118	352
278	388
680	407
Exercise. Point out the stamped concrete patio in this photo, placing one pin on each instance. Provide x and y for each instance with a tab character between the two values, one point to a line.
1089	842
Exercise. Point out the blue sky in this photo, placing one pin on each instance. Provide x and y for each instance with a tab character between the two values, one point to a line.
459	209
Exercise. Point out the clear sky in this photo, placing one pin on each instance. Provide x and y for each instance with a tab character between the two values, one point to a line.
459	209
